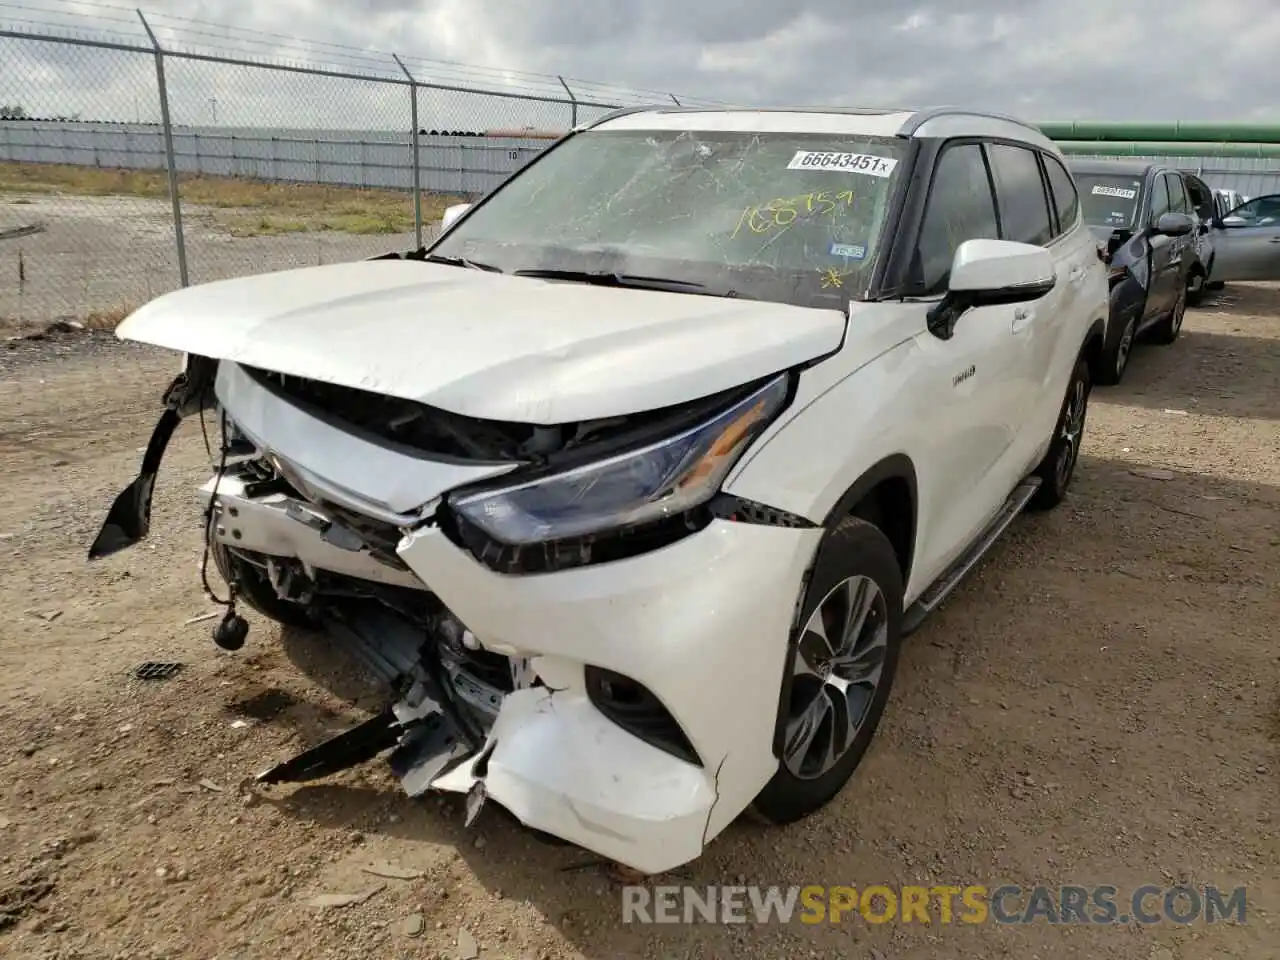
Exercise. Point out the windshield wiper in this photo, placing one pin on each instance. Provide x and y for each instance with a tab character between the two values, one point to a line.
462	262
610	278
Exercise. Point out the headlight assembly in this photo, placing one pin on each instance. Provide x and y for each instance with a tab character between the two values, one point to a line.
641	486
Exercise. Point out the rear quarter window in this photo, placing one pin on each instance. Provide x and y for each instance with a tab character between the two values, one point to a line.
1066	201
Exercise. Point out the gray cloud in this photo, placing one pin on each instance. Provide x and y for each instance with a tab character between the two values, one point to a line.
1144	59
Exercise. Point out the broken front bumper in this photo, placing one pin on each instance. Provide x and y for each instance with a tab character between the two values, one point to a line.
702	624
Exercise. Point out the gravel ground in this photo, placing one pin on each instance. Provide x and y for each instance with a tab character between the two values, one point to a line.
1098	704
101	254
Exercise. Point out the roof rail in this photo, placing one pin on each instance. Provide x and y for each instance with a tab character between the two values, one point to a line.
620	112
921	117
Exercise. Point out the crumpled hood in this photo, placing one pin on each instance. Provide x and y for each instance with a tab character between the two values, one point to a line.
484	344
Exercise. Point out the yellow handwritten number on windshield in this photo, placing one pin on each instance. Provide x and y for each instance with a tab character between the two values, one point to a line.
784	211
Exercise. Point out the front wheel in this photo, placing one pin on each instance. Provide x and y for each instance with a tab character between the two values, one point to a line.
839	670
1115	360
1059	464
1197	286
1167	330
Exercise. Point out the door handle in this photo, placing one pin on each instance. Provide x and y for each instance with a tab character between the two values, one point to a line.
1274	240
1022	317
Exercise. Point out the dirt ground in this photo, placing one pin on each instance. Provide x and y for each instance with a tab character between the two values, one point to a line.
1099	704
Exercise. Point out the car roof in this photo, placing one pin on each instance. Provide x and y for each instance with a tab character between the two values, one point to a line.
1112	167
934	122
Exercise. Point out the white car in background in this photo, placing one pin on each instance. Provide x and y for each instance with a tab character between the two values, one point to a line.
632	483
1227	200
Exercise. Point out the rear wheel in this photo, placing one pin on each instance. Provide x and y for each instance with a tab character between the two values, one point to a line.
840	669
1059	464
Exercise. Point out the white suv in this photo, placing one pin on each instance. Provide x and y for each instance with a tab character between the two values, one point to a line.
631	484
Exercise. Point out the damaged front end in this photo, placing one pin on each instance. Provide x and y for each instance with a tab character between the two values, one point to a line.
421	539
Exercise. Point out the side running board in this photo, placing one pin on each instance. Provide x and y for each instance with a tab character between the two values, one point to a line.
941	588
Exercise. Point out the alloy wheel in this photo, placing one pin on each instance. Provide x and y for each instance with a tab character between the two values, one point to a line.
836	670
1125	346
1072	431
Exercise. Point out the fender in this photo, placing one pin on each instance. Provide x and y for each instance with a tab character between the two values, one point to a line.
129	519
897	466
1127	295
191	392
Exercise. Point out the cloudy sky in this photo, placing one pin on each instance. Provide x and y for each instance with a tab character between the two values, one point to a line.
1148	59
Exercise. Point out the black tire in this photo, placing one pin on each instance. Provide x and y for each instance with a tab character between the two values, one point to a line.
256	590
1058	467
1114	360
1197	285
1166	330
852	549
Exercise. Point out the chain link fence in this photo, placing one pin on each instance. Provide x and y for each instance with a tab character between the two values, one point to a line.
143	154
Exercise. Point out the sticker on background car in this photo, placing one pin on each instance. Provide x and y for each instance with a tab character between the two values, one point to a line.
1121	192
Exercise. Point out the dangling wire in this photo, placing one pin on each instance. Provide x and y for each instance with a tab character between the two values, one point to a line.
230	602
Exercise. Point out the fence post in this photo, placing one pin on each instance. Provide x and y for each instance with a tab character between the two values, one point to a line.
573	103
673	97
417	167
171	160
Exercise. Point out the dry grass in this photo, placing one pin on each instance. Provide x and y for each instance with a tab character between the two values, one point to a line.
107	319
246	208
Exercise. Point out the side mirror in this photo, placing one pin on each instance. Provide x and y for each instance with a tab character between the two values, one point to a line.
1174	224
1234	222
988	273
451	215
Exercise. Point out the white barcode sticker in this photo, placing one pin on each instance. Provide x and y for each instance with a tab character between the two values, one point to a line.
1121	192
843	162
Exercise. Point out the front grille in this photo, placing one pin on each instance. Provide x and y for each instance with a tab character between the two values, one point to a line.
379	536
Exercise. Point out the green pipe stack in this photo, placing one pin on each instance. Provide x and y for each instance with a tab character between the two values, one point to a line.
1181	138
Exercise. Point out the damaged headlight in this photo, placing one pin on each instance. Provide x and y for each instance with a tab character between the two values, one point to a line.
637	487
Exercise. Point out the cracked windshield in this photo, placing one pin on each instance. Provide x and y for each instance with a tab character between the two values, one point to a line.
786	217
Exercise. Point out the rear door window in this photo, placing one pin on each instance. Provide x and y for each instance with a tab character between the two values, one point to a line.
1020	194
